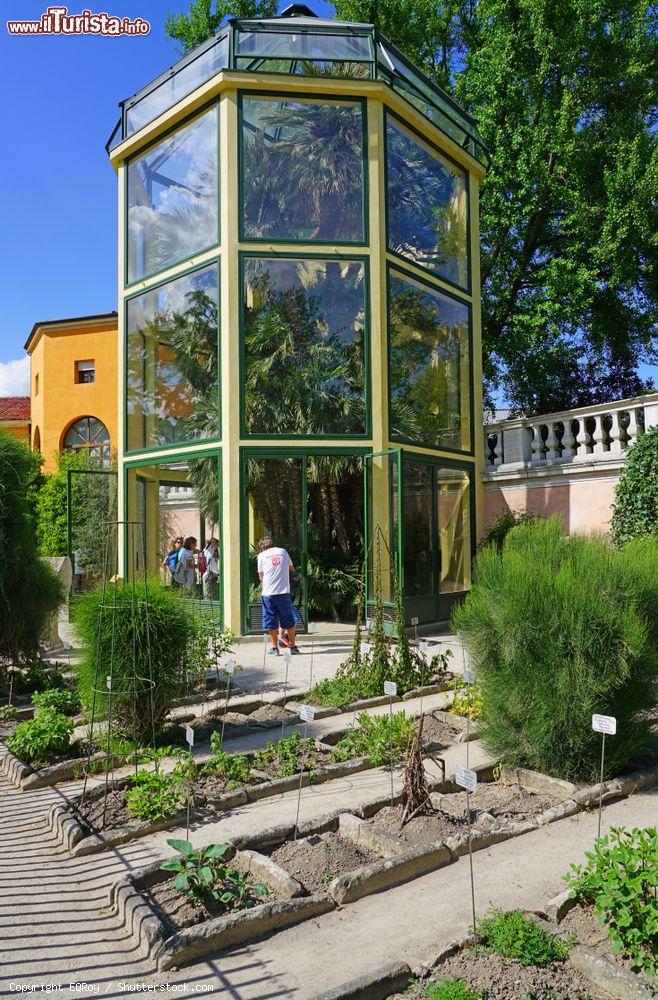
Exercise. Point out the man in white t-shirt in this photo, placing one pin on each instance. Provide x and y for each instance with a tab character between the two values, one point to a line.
274	569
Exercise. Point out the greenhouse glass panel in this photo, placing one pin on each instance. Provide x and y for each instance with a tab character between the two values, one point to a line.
173	198
304	368
302	170
172	362
418	530
428	366
426	206
303	45
454	529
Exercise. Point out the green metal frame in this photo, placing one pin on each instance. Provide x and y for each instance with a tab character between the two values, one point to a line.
138	156
305	96
303	454
471	401
133	463
276	255
69	498
398	555
432	273
216	439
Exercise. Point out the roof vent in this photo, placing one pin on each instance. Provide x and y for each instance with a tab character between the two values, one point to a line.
298	10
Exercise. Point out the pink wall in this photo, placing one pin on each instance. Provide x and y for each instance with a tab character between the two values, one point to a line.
585	505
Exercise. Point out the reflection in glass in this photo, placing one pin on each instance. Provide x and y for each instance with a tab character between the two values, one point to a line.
302	164
91	436
298	45
173	198
174	500
426	206
428	366
304	354
418	532
454	529
171	380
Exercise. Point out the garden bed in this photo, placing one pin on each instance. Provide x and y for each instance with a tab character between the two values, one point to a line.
317	860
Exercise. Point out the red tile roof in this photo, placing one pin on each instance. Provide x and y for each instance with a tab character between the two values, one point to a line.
14	407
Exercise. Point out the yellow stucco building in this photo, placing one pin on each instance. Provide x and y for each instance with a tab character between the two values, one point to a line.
74	386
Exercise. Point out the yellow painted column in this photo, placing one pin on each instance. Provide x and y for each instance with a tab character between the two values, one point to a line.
474	188
121	367
230	361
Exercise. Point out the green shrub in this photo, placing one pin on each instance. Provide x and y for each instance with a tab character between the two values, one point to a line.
288	756
235	767
373	739
134	620
514	936
43	738
501	527
449	989
635	511
334	692
620	880
154	795
558	628
29	590
66	702
467	700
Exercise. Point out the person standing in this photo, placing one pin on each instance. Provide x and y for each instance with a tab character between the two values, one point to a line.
185	574
171	559
211	573
274	569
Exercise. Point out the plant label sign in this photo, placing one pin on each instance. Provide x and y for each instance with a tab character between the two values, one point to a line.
469	676
108	681
390	688
466	778
312	628
365	648
604	724
287	657
414	621
307	713
189	736
230	667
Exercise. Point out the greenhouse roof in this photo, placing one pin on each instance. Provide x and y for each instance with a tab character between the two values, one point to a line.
299	43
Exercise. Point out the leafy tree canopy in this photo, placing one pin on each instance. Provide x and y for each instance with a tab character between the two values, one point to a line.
636	495
566	99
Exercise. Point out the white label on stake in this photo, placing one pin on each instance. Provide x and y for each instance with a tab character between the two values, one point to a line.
414	621
390	687
108	681
365	648
466	778
604	724
307	713
423	647
189	735
312	628
287	656
229	667
369	623
469	676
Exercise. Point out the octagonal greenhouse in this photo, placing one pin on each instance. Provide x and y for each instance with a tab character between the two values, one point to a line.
299	316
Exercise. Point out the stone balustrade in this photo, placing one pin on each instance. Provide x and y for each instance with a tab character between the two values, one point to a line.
590	435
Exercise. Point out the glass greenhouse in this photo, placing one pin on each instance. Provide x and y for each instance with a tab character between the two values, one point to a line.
299	316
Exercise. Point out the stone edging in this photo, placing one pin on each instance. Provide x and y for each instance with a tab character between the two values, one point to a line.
611	978
13	768
150	935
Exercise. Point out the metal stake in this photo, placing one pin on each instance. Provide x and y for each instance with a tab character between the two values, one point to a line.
390	739
299	790
470	860
228	688
468	722
262	683
601	786
287	659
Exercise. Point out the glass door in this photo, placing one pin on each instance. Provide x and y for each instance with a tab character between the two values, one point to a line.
382	478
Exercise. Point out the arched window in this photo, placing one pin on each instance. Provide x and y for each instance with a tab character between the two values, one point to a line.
36	441
90	433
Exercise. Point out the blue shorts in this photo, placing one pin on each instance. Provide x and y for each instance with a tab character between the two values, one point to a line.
278	609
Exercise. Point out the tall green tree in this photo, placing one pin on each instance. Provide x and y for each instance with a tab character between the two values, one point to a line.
205	17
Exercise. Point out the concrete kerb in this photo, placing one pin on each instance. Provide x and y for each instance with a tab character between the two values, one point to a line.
388	979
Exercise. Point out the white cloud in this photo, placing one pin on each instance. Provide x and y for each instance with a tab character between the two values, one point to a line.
15	377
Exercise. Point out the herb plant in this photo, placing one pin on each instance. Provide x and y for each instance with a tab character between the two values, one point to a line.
66	702
154	795
448	989
373	740
289	756
620	879
235	767
203	874
465	702
8	713
41	739
513	935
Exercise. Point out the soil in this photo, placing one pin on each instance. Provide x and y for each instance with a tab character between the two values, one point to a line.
7	728
583	922
507	803
438	734
507	979
90	813
178	911
318	859
212	785
312	761
269	713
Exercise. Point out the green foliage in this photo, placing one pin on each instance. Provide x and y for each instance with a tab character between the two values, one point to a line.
43	738
467	700
134	620
235	767
203	874
154	795
635	511
373	739
558	628
8	713
501	527
621	880
208	643
288	756
335	692
206	17
29	590
513	935
66	702
449	989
